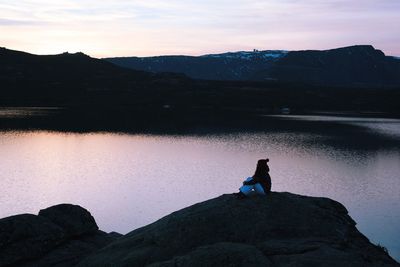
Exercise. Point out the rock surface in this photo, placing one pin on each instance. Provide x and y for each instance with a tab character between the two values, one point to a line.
280	229
73	219
61	235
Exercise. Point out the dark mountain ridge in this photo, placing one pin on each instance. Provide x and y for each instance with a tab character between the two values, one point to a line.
362	66
226	66
353	66
97	87
66	78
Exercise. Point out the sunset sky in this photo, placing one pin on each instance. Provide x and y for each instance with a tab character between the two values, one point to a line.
194	27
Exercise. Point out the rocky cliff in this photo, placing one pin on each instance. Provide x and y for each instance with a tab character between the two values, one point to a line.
281	229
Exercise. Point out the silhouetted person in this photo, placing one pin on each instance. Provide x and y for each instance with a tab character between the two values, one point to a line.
259	183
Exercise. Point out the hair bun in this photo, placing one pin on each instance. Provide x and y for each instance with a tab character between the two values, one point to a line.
267	160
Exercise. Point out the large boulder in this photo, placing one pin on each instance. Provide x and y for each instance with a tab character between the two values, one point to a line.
27	236
74	219
220	254
280	229
72	251
61	235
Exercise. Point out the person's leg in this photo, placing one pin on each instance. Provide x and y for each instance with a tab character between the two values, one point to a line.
259	189
246	189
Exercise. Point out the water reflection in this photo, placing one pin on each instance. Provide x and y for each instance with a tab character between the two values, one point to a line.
128	181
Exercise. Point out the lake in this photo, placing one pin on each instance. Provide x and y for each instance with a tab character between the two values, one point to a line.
128	180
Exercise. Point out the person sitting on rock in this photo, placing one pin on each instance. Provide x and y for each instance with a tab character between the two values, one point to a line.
259	183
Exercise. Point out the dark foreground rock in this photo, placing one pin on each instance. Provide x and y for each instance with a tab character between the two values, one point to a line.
280	229
61	235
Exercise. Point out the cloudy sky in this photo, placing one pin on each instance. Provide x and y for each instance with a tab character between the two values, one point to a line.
194	27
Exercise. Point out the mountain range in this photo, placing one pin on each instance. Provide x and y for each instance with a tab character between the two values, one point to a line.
357	78
353	66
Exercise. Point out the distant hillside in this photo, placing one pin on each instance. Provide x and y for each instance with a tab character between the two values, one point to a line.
227	66
354	66
70	78
80	82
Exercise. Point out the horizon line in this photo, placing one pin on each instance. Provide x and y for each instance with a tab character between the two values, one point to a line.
197	54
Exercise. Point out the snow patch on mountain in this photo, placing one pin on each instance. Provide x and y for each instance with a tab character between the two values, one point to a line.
250	55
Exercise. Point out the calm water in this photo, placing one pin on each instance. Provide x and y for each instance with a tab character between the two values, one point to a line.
130	180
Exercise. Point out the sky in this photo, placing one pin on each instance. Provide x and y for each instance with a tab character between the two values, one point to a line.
106	28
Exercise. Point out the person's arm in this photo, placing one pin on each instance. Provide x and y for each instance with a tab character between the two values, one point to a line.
251	181
268	184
